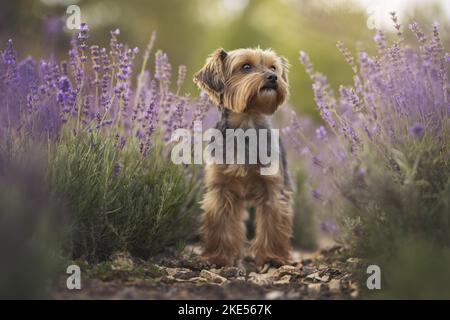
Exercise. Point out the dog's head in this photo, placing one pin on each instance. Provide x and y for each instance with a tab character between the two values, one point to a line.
245	80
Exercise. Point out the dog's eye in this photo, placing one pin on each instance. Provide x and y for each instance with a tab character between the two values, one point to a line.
246	66
273	68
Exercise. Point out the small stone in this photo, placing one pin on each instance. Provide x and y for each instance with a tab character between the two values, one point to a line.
313	275
231	272
308	269
198	280
212	277
316	276
284	270
186	274
325	278
271	271
284	280
173	271
260	279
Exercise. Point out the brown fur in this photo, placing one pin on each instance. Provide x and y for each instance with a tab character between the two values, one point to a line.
230	188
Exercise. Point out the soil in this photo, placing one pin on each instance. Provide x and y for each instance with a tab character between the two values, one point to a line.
324	274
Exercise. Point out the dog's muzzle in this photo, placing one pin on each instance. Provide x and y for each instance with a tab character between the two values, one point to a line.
271	81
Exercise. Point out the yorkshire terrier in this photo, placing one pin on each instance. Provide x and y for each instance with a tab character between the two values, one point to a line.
248	85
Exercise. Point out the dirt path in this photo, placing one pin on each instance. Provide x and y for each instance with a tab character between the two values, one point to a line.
320	275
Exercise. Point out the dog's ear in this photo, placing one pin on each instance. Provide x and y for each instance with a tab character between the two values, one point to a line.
211	77
285	64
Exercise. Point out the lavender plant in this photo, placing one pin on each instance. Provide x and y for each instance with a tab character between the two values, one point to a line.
105	129
380	168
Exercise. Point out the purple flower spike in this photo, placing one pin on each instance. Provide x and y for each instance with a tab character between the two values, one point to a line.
329	226
317	194
417	131
321	133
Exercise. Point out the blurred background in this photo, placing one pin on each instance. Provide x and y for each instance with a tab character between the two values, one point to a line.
188	30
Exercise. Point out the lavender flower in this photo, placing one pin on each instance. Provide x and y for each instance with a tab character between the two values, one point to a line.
92	95
329	226
181	77
418	32
317	194
401	92
417	130
95	56
163	69
82	38
117	169
10	62
321	133
380	41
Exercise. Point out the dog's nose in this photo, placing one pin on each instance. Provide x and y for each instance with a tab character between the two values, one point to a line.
271	77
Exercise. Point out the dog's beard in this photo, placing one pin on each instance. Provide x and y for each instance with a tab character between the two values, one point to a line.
265	101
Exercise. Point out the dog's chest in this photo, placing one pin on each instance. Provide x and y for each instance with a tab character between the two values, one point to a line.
246	137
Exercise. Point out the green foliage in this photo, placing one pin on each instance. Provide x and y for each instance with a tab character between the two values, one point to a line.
417	270
305	224
405	195
106	271
386	173
406	192
121	200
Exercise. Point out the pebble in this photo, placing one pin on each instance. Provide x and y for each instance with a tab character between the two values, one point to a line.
308	269
212	277
284	270
284	280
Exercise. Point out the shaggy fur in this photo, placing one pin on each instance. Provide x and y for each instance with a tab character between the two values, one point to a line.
238	83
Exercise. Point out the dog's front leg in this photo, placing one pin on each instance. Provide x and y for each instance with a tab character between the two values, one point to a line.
273	227
223	227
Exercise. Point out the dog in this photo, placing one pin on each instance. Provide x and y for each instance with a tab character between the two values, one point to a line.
247	85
